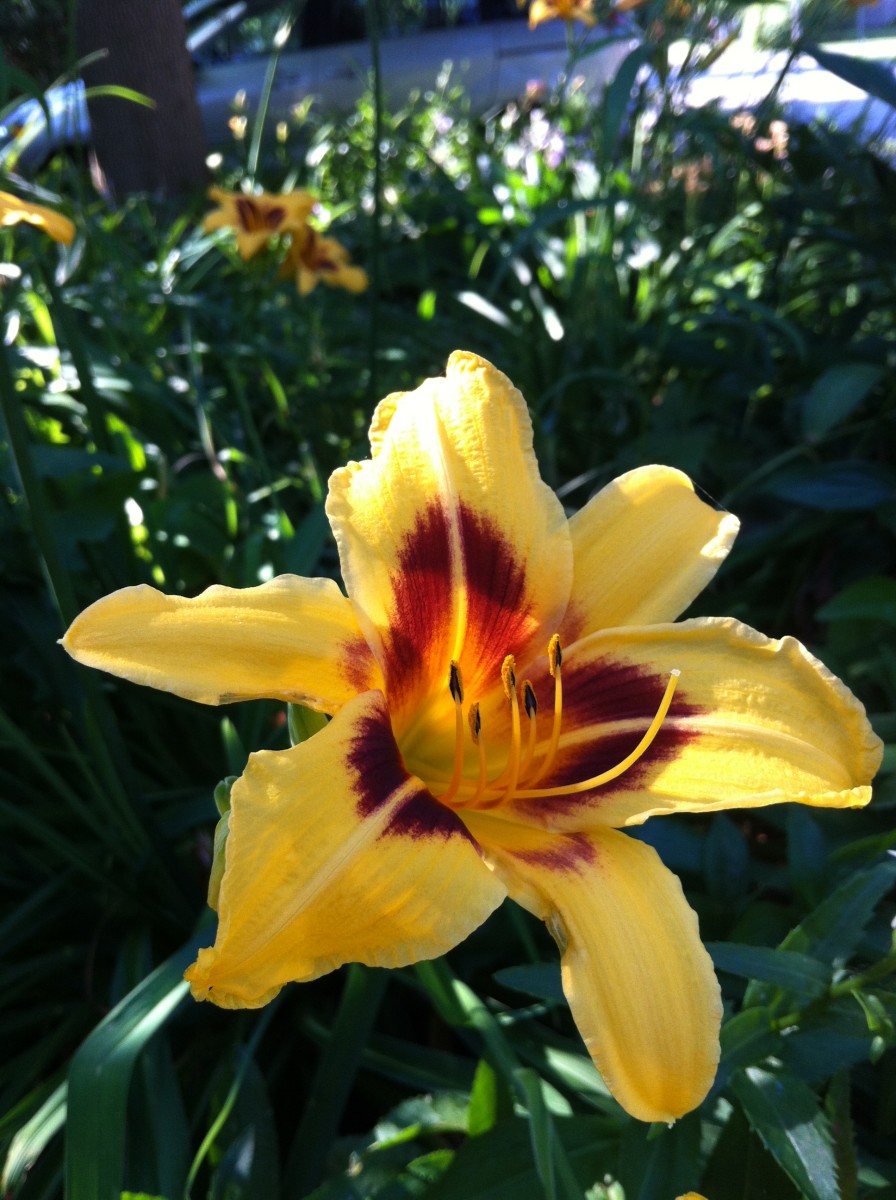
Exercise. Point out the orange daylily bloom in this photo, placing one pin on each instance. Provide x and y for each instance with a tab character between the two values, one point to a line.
13	210
509	690
256	219
313	257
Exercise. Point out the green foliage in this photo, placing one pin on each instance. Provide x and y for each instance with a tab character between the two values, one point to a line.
662	284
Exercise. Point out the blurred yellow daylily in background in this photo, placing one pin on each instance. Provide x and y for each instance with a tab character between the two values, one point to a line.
256	219
559	10
13	210
313	257
508	691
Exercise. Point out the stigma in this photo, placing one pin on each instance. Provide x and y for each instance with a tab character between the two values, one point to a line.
529	758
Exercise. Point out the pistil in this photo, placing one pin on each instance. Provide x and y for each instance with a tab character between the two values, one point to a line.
586	785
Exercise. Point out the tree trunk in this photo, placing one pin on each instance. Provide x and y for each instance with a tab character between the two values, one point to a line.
159	150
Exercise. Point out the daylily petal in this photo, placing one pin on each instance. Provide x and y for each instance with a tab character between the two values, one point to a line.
250	244
336	854
13	210
353	279
643	548
754	721
452	548
640	985
289	639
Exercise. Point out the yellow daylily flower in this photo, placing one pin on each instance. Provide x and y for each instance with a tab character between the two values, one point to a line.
256	219
13	210
508	690
560	10
313	257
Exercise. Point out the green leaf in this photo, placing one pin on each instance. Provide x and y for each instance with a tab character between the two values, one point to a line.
498	1165
30	1140
618	96
303	723
100	1075
662	1164
785	969
746	1038
541	1131
836	394
491	1100
786	1116
836	487
541	980
828	1040
831	932
726	860
807	855
757	1174
837	1106
869	599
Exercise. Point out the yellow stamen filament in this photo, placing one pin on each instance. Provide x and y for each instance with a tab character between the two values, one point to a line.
571	789
555	660
456	688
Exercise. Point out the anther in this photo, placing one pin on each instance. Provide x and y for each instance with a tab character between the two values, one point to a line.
456	684
475	722
555	655
530	703
508	676
456	688
509	777
555	661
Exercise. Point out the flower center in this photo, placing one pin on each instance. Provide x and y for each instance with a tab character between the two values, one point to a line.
257	219
525	760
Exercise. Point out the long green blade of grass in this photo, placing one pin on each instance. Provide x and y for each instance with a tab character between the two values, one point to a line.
100	1075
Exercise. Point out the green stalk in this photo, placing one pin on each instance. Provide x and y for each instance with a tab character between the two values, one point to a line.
373	27
339	1060
264	100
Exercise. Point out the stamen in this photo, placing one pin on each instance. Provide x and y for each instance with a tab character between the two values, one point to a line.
570	789
555	654
509	777
531	706
456	688
456	683
479	741
508	676
555	660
